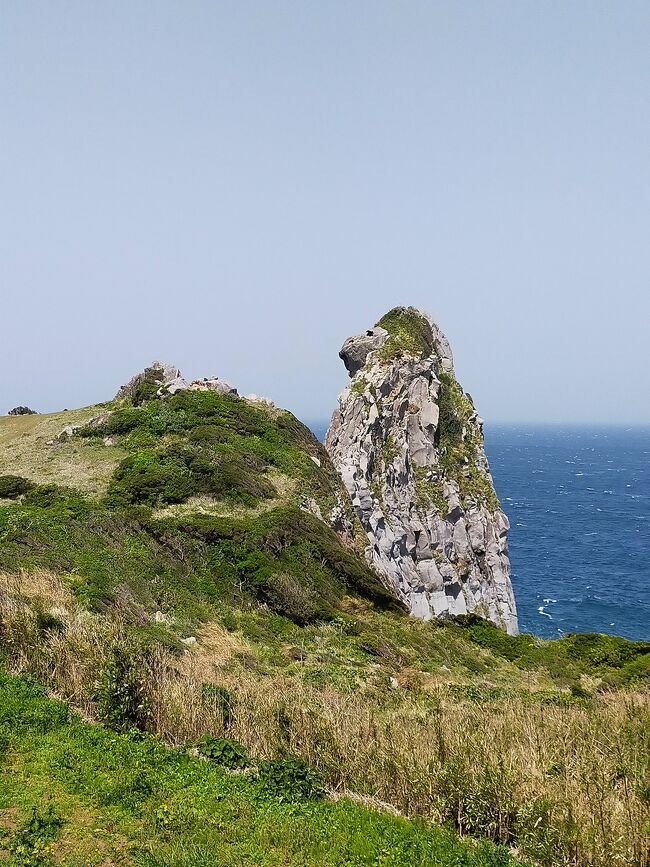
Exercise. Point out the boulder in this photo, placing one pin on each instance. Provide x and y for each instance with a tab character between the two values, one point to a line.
22	410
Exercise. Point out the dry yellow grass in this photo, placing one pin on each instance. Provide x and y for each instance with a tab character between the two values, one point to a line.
76	462
37	585
572	778
204	505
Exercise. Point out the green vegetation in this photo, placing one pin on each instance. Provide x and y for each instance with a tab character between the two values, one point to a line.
185	598
615	661
121	692
429	491
409	333
458	442
188	444
76	794
194	443
285	557
225	752
12	487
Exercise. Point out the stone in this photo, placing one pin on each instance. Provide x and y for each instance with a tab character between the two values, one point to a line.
355	350
436	534
169	380
22	410
157	373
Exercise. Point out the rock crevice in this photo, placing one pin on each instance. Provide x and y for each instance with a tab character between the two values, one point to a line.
408	444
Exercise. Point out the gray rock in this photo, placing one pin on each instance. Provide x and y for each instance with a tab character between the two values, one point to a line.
355	350
22	410
157	373
436	538
168	379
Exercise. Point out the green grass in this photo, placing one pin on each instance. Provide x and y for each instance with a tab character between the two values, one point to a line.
614	661
75	793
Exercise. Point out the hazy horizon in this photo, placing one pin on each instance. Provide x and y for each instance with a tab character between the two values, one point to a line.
237	187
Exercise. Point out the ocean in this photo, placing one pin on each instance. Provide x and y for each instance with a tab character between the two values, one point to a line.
578	500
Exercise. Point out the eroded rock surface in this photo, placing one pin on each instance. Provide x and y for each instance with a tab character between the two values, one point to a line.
409	446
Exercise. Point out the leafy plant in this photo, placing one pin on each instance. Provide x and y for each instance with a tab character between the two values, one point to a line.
290	779
216	695
224	751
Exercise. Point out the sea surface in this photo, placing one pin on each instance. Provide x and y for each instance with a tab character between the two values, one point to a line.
578	500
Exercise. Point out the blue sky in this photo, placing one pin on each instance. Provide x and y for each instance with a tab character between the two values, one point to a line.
238	186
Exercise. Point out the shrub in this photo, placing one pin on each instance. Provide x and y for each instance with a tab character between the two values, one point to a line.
121	691
151	478
12	487
288	596
225	752
289	779
44	496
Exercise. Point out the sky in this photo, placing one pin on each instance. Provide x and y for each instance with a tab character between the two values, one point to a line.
236	187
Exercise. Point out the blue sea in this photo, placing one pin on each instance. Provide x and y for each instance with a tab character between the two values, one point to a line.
578	500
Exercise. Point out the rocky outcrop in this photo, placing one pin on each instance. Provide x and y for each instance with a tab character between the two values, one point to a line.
408	444
22	410
160	379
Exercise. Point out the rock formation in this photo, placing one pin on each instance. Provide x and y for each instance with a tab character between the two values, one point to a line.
409	446
22	410
160	378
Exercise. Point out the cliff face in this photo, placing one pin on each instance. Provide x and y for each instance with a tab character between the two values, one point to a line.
409	446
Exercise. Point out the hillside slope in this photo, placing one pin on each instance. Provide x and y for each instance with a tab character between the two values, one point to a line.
171	566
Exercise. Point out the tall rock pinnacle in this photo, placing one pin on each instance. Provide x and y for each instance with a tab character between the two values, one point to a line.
409	446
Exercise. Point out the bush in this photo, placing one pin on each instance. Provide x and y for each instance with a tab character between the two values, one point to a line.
225	752
286	595
121	691
12	487
149	477
153	476
289	779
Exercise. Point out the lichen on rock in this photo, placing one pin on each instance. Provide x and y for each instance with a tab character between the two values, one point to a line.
408	443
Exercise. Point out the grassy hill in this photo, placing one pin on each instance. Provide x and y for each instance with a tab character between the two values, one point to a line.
168	567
